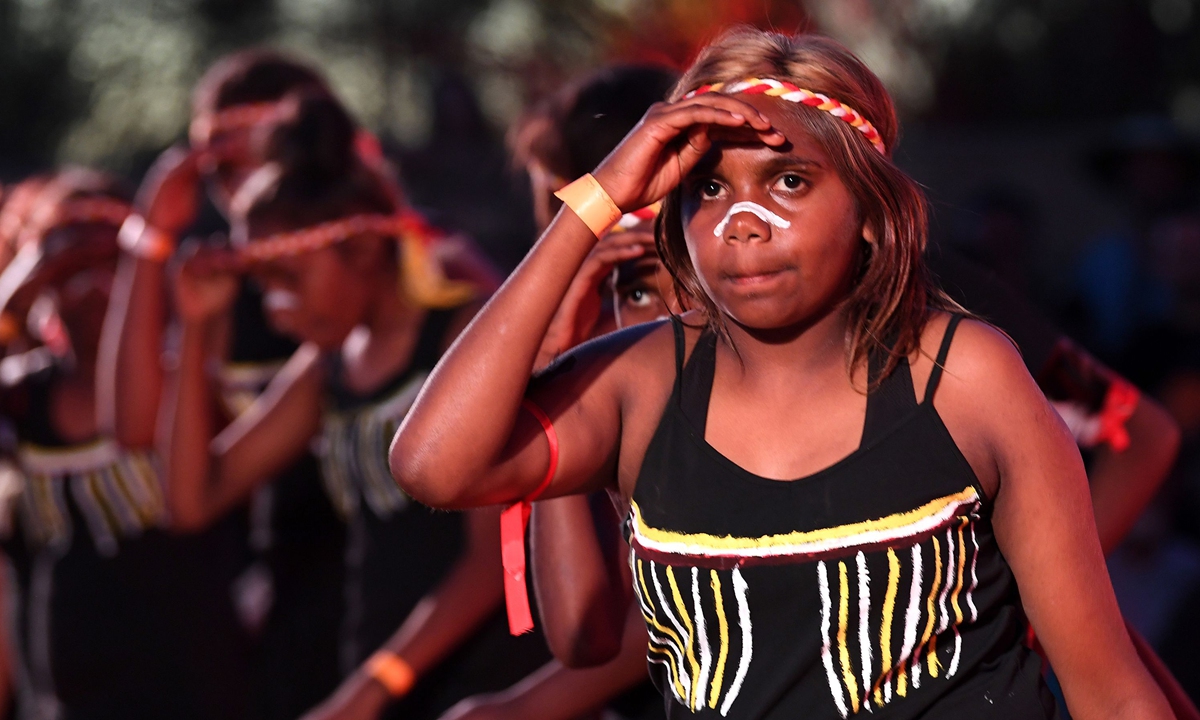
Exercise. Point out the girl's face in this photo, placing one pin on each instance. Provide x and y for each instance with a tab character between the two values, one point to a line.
789	260
228	158
642	288
317	296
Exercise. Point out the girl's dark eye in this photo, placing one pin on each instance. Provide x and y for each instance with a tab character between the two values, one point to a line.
710	189
792	181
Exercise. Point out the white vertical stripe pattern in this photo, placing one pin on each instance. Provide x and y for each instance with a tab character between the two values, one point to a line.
864	619
702	641
739	590
943	615
835	684
974	577
913	614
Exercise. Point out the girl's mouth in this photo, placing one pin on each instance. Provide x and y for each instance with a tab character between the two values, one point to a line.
756	277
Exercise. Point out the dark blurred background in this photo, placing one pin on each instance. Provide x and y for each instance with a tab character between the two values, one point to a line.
1056	139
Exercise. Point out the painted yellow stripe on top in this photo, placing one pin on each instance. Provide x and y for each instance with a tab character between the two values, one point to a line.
723	654
665	631
929	637
962	562
885	628
729	542
843	650
686	618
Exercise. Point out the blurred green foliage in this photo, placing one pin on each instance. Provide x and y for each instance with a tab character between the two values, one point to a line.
107	81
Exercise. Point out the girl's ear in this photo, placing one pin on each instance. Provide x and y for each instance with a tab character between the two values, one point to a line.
868	234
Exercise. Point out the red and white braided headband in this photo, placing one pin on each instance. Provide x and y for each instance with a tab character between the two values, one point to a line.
405	226
787	91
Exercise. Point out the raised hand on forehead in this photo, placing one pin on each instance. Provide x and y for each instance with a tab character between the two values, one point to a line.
669	141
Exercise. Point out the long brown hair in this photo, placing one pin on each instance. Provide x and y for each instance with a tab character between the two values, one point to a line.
889	304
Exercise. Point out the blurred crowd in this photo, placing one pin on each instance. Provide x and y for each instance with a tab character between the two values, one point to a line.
202	372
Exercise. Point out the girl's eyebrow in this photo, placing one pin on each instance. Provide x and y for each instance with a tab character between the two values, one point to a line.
783	162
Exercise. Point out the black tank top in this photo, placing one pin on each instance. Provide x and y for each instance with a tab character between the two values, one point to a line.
873	585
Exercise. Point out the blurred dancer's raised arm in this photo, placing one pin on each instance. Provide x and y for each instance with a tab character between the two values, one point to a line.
129	368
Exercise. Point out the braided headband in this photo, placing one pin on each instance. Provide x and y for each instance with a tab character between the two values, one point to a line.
78	211
787	91
237	117
91	210
631	220
424	280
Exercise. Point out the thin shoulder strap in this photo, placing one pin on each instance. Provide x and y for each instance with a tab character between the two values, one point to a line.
939	364
680	349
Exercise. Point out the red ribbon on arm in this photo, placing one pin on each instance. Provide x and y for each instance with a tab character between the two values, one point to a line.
513	522
1119	405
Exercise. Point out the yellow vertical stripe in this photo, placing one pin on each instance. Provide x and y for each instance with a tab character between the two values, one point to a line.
843	651
962	562
686	618
657	626
902	679
885	629
723	654
929	637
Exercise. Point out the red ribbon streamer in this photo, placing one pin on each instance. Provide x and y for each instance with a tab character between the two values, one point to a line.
513	522
1119	405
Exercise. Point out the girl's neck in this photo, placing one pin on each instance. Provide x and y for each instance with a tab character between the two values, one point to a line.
812	348
382	346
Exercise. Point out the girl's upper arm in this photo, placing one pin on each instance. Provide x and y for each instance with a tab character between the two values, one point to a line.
1044	524
273	432
585	395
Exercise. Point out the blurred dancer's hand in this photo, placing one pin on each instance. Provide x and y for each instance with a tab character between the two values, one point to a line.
169	195
207	282
577	316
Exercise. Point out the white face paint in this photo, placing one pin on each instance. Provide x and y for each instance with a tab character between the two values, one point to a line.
754	209
280	300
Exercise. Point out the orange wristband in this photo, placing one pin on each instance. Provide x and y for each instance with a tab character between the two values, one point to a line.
591	204
392	672
142	240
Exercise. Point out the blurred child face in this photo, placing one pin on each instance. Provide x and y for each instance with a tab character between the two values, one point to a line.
543	184
642	288
78	283
792	258
228	157
319	296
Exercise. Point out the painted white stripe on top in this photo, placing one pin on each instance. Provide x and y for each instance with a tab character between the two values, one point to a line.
864	629
739	590
701	641
835	684
912	615
974	577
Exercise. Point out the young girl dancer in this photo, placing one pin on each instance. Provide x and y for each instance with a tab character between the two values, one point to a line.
885	577
98	618
296	537
317	229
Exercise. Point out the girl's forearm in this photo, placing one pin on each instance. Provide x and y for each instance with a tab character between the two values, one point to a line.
580	592
190	428
129	371
477	388
1123	483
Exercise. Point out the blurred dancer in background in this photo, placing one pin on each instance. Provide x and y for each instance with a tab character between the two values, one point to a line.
101	613
290	598
318	227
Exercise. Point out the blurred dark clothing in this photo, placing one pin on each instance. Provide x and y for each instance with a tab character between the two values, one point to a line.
113	620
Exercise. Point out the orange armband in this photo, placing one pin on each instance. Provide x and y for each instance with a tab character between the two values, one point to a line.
513	522
392	672
588	200
142	240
